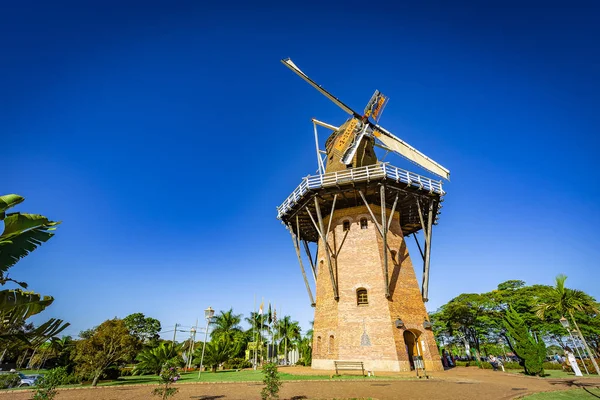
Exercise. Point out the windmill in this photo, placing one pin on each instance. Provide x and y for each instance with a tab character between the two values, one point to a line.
363	131
357	211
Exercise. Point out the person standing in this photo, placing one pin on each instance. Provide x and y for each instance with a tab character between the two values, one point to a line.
573	362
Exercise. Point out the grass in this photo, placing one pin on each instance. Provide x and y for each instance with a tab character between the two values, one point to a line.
553	373
574	394
235	376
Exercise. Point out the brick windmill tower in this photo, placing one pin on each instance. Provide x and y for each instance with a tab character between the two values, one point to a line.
358	212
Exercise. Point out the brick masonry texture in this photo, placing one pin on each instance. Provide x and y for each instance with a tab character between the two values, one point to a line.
344	330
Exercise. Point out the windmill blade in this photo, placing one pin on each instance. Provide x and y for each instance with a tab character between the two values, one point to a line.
290	64
404	149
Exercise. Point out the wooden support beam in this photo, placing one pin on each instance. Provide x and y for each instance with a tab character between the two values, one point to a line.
330	217
384	226
296	241
425	286
312	263
320	228
419	246
307	250
392	214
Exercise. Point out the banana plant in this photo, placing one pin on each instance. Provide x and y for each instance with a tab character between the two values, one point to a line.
22	234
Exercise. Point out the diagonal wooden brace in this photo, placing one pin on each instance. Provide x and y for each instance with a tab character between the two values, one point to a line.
296	241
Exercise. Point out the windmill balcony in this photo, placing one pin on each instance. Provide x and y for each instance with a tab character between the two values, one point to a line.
366	179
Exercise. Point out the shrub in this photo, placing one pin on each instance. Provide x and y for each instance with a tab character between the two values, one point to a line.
525	346
301	363
9	380
126	371
271	381
552	365
168	376
588	364
237	363
46	385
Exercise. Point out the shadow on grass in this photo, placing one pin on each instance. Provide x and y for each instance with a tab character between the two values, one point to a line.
207	397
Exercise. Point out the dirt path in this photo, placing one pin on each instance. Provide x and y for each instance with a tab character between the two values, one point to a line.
459	383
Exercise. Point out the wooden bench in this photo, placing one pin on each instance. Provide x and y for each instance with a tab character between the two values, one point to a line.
349	365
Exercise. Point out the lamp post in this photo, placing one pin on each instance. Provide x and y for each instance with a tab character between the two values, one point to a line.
193	337
565	323
208	314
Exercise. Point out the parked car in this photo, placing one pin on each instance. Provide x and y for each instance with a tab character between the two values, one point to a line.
28	380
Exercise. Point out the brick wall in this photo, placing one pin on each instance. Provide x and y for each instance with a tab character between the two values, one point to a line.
368	332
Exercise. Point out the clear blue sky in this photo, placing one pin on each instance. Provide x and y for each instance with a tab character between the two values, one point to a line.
164	134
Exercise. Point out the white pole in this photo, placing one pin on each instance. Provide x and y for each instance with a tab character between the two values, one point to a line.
254	332
203	347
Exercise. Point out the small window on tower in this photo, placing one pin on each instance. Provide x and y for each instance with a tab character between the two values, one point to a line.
364	224
331	343
361	297
346	225
318	349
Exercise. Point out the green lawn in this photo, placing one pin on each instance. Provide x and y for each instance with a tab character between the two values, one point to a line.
574	394
233	376
553	373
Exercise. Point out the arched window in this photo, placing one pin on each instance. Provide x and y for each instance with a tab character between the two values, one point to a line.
346	225
318	349
361	297
331	343
364	224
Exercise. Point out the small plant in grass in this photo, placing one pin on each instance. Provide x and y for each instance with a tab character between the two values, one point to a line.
46	385
168	376
9	380
271	381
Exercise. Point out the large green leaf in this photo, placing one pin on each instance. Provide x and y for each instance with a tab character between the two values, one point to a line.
18	305
46	331
22	234
9	200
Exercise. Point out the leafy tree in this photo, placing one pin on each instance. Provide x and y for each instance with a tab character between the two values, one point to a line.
110	342
289	332
152	360
142	327
566	302
523	344
467	316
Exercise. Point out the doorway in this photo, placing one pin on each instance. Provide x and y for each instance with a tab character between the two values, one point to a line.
413	347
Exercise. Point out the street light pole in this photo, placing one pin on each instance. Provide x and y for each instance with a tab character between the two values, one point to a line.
566	325
191	353
208	314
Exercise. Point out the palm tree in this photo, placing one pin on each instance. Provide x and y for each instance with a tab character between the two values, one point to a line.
289	332
567	301
226	325
151	360
217	351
